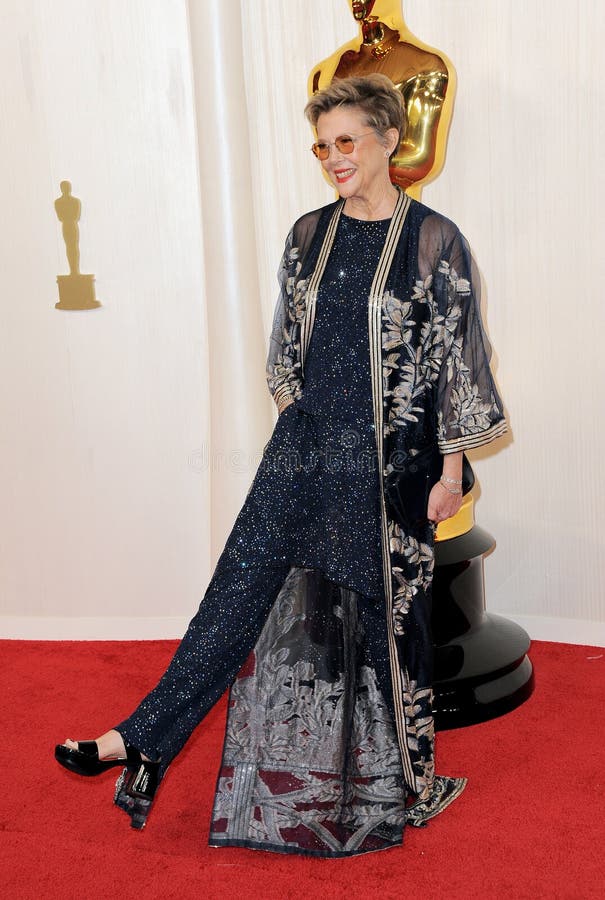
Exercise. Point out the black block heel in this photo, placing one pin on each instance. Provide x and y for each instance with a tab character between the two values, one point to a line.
136	788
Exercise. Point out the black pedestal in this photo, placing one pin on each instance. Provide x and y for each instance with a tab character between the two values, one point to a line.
481	667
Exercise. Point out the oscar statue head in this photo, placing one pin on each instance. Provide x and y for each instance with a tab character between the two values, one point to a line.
361	9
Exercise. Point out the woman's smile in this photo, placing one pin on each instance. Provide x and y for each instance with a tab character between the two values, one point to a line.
343	175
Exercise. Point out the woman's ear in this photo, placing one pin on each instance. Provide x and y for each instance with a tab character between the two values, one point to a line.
392	139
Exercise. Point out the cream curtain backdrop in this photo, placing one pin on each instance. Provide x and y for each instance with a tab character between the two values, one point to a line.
131	433
105	487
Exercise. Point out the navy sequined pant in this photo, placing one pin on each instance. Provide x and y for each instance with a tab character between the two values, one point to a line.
213	650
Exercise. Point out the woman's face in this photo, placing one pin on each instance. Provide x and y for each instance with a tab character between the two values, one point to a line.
359	173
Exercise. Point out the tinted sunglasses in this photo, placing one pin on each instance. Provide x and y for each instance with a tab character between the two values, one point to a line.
344	144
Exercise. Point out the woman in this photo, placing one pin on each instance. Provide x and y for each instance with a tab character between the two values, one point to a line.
320	598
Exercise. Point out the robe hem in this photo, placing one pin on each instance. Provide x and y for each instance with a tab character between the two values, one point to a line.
216	843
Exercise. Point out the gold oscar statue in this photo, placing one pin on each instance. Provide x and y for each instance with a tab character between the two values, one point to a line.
76	291
425	77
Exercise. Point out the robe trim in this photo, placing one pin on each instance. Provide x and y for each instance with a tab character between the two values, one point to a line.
314	282
375	335
468	441
282	393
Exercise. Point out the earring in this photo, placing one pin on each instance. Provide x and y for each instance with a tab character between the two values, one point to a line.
386	153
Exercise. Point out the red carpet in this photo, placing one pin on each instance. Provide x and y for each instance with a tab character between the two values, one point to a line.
530	824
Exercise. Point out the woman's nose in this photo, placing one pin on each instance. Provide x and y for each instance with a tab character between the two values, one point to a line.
335	153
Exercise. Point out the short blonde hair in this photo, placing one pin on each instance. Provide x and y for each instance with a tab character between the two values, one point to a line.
375	96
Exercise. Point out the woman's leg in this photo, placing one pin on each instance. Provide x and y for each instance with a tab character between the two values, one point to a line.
217	643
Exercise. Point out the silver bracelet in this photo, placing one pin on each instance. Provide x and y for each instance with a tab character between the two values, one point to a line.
450	480
456	492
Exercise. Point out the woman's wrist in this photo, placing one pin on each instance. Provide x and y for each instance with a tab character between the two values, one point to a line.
451	472
457	491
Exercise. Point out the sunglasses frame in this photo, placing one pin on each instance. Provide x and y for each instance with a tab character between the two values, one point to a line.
353	138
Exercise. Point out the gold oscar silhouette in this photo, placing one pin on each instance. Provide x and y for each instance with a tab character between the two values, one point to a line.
425	77
76	291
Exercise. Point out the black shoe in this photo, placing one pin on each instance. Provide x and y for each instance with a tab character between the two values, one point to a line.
85	760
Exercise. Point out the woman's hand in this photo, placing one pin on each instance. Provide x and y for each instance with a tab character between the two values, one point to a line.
442	503
444	499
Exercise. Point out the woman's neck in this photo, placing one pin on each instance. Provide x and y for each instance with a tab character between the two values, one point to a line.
380	205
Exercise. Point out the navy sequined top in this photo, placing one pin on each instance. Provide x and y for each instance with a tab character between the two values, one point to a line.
341	533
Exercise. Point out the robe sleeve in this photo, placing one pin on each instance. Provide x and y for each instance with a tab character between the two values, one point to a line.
284	376
281	359
469	409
